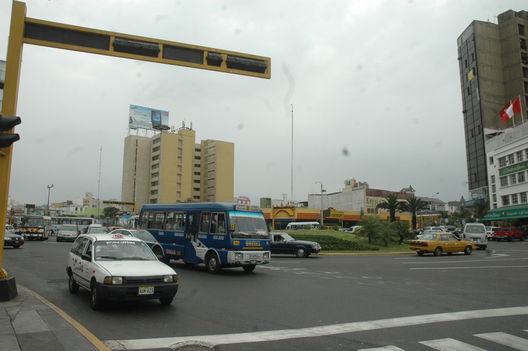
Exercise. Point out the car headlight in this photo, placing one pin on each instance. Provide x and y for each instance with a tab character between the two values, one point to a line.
113	280
41	230
170	278
239	256
7	238
266	255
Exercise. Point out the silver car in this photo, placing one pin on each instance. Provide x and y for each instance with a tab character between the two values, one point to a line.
67	232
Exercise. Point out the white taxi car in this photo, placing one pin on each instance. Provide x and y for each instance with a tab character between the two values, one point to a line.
118	267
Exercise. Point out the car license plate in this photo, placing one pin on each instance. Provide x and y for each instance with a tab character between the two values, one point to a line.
146	290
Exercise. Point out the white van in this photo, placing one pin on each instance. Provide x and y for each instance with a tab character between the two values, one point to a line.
476	232
302	226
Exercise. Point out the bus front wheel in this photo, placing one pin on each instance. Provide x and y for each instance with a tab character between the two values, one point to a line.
211	263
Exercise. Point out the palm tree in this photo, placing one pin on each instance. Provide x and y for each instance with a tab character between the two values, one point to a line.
413	205
391	204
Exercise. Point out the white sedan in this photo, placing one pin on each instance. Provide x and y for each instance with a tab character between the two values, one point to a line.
118	267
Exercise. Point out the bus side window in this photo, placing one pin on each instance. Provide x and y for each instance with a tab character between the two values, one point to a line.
159	220
204	222
143	222
170	221
218	224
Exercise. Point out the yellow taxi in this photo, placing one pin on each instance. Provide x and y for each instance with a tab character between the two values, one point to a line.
440	242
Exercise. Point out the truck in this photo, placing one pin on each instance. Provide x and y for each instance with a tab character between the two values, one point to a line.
35	227
508	233
475	232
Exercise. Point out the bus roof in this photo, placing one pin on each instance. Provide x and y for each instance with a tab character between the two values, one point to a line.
199	206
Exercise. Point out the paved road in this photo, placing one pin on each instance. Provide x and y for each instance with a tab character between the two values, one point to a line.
312	304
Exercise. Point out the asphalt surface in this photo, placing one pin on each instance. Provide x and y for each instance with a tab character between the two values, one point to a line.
330	292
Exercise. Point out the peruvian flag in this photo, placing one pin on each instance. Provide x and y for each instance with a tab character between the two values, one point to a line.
511	109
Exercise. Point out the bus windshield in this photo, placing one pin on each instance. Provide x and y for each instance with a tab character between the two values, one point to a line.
248	225
33	222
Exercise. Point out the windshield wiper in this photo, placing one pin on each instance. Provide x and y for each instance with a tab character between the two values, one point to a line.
107	257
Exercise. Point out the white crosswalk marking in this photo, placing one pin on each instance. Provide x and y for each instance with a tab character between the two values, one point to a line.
385	348
450	345
509	340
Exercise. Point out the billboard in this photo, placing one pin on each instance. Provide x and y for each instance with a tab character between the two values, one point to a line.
147	118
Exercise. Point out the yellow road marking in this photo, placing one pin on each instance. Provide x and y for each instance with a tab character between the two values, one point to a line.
80	328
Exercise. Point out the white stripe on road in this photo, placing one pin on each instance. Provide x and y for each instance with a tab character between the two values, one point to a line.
386	348
465	261
274	335
450	345
509	340
469	267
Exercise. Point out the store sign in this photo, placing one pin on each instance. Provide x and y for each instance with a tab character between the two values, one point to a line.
519	167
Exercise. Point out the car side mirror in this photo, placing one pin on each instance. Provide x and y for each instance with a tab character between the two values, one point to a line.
86	257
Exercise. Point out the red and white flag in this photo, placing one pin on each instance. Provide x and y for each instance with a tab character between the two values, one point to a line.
510	110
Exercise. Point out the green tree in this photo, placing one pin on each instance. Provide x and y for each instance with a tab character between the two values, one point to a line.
386	233
370	227
401	229
391	204
110	212
413	205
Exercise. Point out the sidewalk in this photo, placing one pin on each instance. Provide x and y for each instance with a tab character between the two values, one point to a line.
27	323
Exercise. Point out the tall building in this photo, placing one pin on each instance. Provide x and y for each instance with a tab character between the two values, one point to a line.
172	167
493	63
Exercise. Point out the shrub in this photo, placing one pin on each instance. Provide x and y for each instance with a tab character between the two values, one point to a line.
331	243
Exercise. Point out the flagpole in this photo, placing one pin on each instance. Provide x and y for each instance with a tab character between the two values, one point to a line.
513	117
522	113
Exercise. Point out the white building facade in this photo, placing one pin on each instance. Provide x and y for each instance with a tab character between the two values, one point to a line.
507	164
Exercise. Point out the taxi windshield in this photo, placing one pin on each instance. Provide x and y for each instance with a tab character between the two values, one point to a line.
121	250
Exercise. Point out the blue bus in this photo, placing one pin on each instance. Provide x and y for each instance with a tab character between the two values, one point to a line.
216	234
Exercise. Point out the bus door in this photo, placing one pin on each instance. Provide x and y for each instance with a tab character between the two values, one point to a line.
193	250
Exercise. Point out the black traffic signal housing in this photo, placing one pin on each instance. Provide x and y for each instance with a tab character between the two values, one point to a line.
6	124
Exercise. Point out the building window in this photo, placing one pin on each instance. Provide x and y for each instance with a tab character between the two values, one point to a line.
155	158
469	93
505	200
493	188
504	181
196	189
523	198
155	166
513	179
472	56
521	29
493	179
511	161
502	160
520	155
196	181
494	205
494	197
156	141
520	177
155	149
154	192
154	175
197	165
154	183
491	160
514	199
196	173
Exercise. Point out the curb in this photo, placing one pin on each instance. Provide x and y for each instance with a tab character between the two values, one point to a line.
366	254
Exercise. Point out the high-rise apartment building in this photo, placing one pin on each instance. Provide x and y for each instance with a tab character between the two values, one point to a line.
493	63
172	167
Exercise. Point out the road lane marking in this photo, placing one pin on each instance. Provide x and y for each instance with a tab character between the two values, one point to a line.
385	348
509	340
469	267
99	345
450	345
274	335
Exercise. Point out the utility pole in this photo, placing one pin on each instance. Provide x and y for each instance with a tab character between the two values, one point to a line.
322	214
49	188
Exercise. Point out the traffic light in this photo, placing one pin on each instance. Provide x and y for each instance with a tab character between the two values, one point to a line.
6	124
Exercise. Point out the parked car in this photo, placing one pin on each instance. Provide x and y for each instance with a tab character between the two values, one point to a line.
438	243
147	238
118	267
283	243
508	233
67	232
12	239
490	232
351	229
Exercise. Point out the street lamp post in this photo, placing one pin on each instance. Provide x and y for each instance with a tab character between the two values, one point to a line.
322	191
49	188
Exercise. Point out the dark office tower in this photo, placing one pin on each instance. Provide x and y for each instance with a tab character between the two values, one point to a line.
493	62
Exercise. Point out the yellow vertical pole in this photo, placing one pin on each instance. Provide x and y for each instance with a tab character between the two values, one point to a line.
9	107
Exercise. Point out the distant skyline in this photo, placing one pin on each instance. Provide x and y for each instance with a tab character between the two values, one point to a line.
375	88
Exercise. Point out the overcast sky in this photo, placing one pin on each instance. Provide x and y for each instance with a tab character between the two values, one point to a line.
374	84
